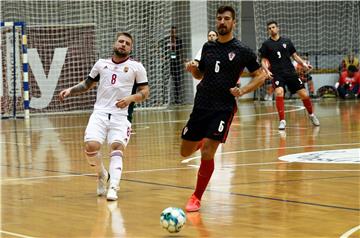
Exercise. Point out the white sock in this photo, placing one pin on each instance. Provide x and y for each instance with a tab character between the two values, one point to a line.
115	168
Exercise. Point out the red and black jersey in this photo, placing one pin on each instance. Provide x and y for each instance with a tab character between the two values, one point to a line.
222	65
278	53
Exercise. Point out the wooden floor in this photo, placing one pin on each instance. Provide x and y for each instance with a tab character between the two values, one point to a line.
49	191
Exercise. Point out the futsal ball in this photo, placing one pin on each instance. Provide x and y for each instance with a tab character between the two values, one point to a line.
172	219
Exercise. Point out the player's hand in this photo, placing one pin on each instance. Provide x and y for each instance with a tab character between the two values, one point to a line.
192	65
237	92
124	102
269	75
307	67
64	93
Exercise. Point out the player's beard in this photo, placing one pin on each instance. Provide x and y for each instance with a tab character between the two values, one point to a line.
223	30
120	54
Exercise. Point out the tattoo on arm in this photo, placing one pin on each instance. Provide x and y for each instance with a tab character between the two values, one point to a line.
81	87
142	95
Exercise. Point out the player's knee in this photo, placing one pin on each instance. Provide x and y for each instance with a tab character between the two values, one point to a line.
92	146
117	146
185	153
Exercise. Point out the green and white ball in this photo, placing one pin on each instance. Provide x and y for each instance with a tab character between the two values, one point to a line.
172	219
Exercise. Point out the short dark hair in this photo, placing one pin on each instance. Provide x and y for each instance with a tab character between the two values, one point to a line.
213	31
352	68
271	22
125	34
223	9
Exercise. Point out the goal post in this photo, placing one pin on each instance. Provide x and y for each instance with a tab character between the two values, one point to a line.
14	89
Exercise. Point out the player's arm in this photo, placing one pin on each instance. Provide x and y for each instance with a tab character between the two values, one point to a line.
192	67
299	60
79	88
142	94
266	65
258	78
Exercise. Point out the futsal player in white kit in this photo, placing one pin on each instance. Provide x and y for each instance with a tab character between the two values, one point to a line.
122	82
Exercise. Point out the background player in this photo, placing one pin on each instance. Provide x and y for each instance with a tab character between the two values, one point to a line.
118	78
220	67
278	50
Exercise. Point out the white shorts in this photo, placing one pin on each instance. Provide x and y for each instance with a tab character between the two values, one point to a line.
113	127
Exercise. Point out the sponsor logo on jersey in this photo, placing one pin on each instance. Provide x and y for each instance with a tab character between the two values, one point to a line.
185	130
231	56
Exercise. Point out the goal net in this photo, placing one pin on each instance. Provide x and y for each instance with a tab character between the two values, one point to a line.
65	38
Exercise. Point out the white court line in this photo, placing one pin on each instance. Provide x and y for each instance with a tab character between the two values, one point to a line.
349	232
309	170
265	149
136	171
15	234
80	175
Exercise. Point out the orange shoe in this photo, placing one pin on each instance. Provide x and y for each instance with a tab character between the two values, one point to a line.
193	205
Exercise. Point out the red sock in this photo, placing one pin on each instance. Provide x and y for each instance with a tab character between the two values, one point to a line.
308	105
280	107
205	171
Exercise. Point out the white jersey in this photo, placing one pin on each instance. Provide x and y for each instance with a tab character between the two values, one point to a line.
116	81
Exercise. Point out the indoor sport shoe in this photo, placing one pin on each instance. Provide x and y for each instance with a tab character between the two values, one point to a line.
193	205
282	125
112	193
314	120
102	183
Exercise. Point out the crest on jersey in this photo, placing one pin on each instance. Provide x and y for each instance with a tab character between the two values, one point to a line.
284	45
277	82
231	56
126	69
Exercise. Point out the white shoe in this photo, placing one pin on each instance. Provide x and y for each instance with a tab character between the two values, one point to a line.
112	193
282	125
314	120
102	184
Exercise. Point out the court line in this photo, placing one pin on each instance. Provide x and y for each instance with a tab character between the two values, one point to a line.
349	232
309	170
15	234
93	174
265	149
249	195
297	108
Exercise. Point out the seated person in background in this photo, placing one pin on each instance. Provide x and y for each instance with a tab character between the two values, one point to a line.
348	85
350	59
305	76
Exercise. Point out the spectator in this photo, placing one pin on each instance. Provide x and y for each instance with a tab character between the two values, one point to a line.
348	85
172	52
350	59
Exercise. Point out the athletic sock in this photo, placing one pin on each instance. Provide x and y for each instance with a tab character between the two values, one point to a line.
115	167
280	107
204	174
308	105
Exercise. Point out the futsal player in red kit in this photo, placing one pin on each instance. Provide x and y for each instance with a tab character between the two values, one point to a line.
221	64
